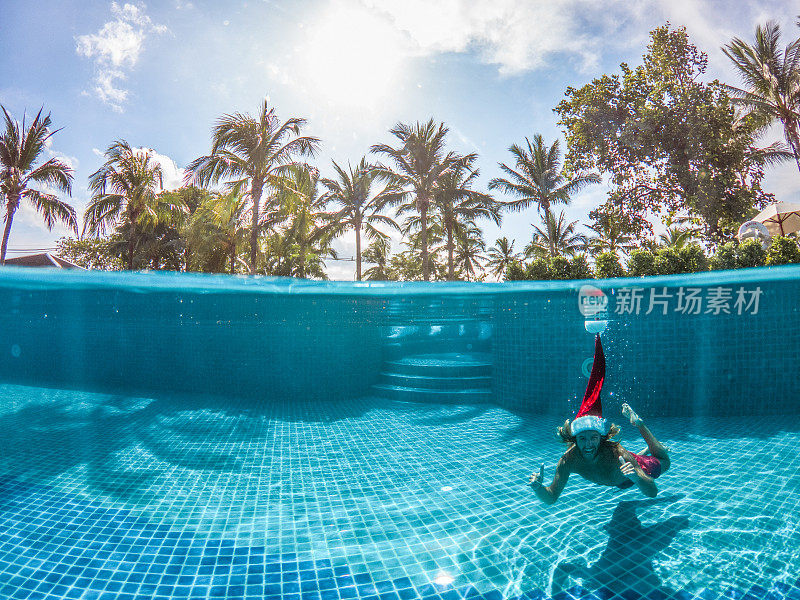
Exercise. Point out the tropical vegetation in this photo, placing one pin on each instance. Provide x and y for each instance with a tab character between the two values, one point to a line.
21	179
667	143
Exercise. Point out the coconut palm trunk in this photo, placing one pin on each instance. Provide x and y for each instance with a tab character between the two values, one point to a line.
451	269
423	221
11	209
358	249
256	197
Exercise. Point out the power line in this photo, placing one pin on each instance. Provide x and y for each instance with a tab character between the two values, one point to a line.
31	249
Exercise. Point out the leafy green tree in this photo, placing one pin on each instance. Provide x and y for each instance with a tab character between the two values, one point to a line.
125	194
607	265
668	141
501	256
458	206
556	238
537	177
641	262
559	268
360	207
772	80
750	253
538	269
20	150
89	253
669	261
694	259
782	251
420	164
515	271
252	155
725	257
579	267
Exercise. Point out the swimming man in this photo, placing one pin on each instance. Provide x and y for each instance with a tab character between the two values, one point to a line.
594	455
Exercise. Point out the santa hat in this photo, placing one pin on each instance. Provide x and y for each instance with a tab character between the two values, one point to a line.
590	415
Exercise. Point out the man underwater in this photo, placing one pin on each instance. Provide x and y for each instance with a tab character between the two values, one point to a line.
594	455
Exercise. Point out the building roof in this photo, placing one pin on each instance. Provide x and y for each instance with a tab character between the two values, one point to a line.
45	259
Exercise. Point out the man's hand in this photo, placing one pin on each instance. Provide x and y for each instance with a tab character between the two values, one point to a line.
536	478
628	470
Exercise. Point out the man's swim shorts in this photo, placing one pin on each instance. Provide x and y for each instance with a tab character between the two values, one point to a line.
649	464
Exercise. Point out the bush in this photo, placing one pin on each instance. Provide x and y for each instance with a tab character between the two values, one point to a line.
607	265
725	258
782	251
669	262
515	272
579	267
641	263
750	253
538	269
694	259
559	268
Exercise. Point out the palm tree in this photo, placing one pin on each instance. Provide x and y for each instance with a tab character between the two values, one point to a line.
556	238
469	249
611	235
216	232
125	193
676	237
537	177
378	254
420	162
456	204
252	154
500	256
360	208
307	234
772	79
20	149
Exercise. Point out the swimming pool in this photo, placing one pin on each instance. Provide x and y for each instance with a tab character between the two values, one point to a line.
204	437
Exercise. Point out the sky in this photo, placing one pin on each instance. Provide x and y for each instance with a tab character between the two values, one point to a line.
158	75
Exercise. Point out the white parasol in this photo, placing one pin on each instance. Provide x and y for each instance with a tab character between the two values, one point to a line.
780	218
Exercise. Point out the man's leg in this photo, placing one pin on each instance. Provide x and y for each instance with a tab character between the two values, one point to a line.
653	445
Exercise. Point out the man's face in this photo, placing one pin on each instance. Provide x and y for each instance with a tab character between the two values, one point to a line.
588	443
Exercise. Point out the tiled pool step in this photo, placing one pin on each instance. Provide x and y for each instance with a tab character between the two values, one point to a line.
436	382
431	395
448	377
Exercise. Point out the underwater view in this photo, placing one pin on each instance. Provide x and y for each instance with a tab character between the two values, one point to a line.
385	454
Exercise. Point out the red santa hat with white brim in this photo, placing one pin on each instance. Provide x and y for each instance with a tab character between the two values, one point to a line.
590	415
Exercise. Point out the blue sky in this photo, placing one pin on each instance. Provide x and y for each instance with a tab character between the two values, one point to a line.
159	74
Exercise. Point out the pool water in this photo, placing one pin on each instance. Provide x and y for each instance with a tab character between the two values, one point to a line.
201	496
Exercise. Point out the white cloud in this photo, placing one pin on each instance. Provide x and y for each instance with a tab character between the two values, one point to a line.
115	48
171	173
516	36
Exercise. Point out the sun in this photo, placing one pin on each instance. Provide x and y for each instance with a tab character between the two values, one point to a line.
352	58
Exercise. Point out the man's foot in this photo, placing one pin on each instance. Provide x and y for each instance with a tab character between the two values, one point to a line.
627	411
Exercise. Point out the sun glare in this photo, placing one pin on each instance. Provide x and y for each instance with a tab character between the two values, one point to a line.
352	58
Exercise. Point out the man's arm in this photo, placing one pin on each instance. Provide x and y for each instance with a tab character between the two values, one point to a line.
550	494
631	469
